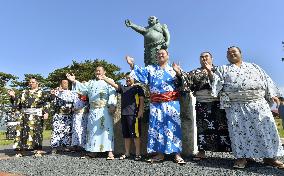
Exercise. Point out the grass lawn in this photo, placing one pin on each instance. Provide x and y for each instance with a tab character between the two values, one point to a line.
47	133
4	141
280	127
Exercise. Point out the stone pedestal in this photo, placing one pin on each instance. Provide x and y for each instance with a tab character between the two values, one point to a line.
188	124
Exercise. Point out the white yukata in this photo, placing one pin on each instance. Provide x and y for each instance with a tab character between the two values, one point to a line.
99	137
245	94
79	125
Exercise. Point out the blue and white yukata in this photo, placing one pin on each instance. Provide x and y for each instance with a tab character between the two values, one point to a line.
62	119
100	137
79	125
164	133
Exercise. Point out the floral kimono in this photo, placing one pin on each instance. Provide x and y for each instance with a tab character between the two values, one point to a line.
62	119
29	108
211	121
164	133
99	137
244	93
79	126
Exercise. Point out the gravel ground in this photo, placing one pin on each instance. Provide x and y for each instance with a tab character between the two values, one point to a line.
72	164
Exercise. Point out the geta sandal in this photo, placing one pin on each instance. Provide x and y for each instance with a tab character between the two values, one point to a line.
38	155
179	161
137	158
275	163
19	155
110	157
240	165
122	157
155	160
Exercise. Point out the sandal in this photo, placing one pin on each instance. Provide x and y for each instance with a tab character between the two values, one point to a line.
240	164
156	159
124	157
110	157
38	155
88	156
19	155
179	161
199	157
274	163
137	158
54	151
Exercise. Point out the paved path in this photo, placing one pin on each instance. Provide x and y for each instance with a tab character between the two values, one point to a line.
72	164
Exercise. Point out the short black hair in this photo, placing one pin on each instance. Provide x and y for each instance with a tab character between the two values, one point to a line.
235	47
206	52
164	49
281	98
32	77
101	67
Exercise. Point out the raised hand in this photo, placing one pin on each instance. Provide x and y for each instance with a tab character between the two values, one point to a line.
276	100
130	61
207	66
11	93
52	92
176	68
128	23
71	77
111	109
59	89
101	77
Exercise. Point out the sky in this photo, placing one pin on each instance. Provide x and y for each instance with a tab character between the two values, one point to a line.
39	36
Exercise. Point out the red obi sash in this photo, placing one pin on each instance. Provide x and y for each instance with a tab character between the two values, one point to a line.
83	97
164	97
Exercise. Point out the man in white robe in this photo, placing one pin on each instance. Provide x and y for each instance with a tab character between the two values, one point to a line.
102	100
245	93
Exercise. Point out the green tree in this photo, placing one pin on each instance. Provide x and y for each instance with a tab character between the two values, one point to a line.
5	79
84	71
21	85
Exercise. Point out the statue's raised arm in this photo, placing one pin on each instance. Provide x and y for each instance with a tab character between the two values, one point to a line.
135	27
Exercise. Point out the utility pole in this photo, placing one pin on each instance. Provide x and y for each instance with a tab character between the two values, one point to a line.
283	48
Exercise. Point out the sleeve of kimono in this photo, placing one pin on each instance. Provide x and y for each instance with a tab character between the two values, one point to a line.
270	87
81	88
16	102
76	96
54	103
186	81
140	74
47	98
112	95
218	81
